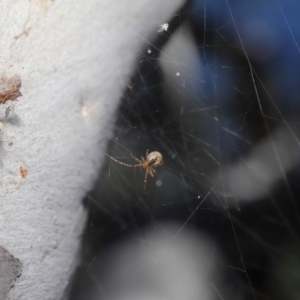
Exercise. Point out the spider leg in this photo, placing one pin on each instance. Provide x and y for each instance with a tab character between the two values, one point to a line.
147	153
151	172
135	158
145	180
127	165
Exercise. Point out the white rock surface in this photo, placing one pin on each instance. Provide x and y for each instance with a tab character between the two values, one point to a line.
74	59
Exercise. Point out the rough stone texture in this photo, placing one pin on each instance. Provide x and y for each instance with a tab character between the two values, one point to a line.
73	60
10	269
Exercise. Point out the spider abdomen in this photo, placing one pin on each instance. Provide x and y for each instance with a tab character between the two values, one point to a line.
155	158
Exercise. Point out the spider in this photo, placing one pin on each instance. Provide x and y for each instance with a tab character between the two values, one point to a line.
163	27
153	159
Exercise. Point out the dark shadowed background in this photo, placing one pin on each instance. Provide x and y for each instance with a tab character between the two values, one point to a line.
217	94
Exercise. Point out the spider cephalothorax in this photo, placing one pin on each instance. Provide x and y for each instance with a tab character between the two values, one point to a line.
153	159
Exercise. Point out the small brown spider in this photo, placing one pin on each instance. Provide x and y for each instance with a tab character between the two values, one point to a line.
153	159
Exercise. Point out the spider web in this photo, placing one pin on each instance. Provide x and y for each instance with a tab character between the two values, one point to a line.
217	94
